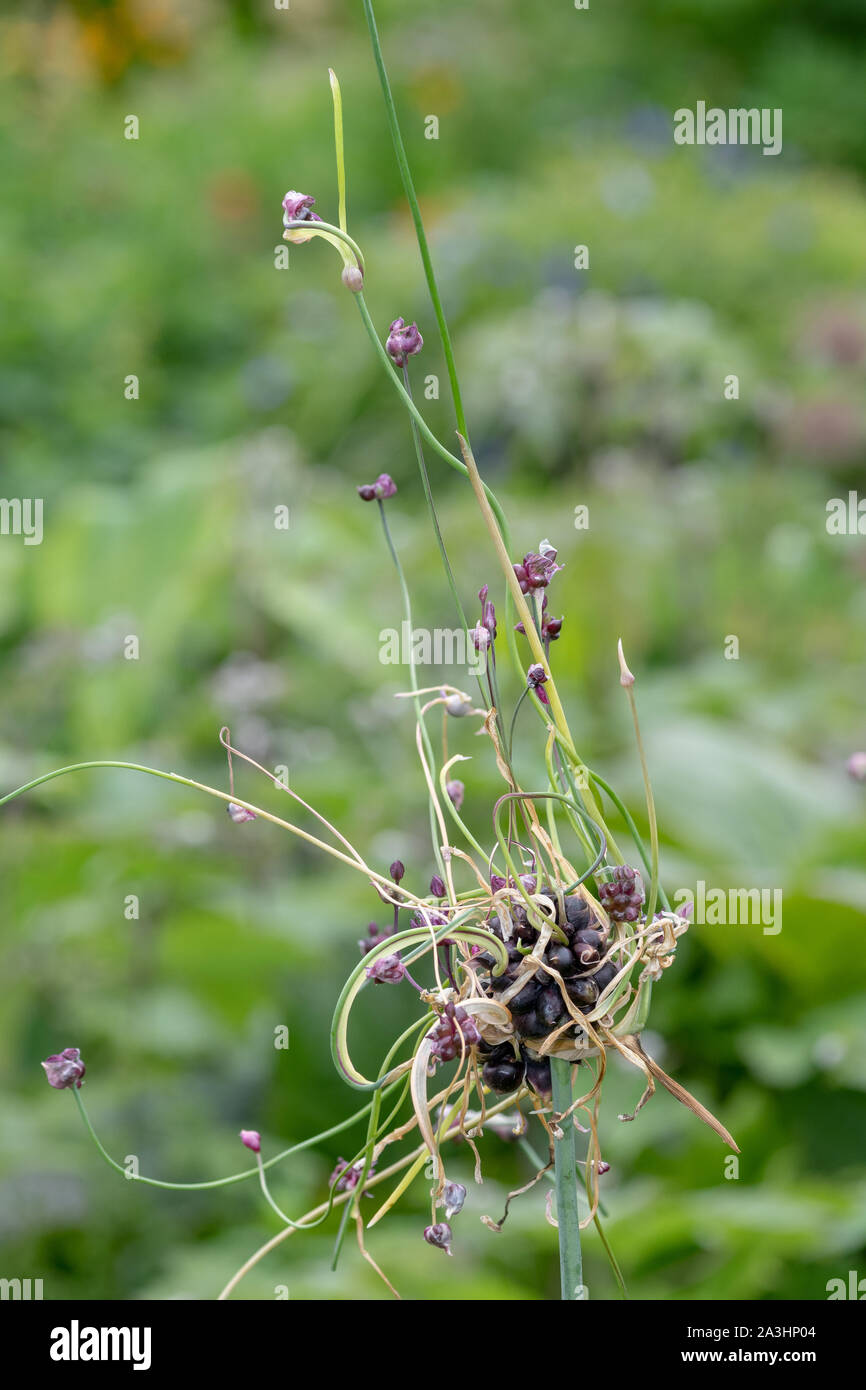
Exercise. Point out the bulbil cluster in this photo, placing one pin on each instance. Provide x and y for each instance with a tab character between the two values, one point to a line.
539	1008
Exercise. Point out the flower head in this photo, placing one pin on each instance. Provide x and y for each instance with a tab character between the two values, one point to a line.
536	677
404	341
456	791
64	1069
239	814
252	1139
538	568
383	487
298	207
452	1199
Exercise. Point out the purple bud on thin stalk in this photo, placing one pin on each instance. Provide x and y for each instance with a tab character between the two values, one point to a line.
536	677
374	936
480	637
404	341
440	1236
383	487
537	568
252	1139
65	1069
387	970
456	791
397	870
239	814
437	887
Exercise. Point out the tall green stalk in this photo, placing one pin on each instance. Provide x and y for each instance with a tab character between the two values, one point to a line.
565	1173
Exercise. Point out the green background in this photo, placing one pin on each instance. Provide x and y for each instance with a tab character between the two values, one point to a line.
258	388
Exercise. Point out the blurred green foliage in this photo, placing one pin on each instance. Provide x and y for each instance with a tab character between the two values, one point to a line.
601	388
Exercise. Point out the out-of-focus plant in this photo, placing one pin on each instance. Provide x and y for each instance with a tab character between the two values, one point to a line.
532	977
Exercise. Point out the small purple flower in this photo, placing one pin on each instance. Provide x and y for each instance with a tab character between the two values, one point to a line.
437	886
452	1199
453	1030
239	814
497	882
348	1175
383	487
440	1236
456	791
64	1069
404	341
387	970
252	1139
397	870
298	207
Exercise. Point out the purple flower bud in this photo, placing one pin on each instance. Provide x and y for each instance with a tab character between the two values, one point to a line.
452	1199
239	814
529	882
297	207
374	937
488	617
601	1167
64	1069
550	627
437	887
387	970
397	870
383	487
404	341
252	1139
456	791
497	882
439	1235
482	593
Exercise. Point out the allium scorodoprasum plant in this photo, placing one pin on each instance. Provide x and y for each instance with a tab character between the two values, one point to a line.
531	956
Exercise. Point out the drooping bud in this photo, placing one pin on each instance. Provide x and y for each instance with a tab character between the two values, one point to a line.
536	677
452	1199
252	1139
239	814
437	887
383	487
456	791
65	1069
440	1236
404	341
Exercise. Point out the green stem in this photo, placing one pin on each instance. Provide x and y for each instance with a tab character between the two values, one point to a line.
421	235
565	1169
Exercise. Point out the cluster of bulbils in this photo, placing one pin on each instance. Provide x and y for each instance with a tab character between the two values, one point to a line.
539	1008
